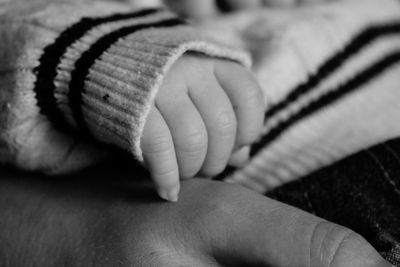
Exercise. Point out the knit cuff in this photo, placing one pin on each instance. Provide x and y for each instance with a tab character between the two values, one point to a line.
107	80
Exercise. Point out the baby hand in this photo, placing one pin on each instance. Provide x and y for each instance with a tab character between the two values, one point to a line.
205	110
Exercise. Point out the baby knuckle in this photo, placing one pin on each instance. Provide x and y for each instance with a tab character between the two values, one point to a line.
157	145
226	124
163	173
194	144
253	94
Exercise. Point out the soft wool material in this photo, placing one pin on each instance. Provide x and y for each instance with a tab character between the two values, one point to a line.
331	78
73	71
329	72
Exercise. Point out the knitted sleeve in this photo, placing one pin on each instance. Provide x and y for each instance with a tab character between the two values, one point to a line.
331	75
87	67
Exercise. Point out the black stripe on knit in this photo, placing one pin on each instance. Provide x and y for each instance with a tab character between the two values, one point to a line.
87	60
46	72
358	43
330	98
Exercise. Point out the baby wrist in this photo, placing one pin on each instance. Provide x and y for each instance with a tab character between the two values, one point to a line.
107	80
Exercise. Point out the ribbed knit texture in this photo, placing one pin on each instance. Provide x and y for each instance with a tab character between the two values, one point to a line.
121	85
78	69
330	75
322	69
69	69
334	58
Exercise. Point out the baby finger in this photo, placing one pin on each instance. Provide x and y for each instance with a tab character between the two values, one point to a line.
159	155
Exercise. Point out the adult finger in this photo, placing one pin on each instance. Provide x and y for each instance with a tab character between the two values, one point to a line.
258	230
187	129
300	239
246	97
159	155
219	118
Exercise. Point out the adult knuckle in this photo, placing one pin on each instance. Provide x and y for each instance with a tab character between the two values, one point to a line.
156	257
345	237
329	241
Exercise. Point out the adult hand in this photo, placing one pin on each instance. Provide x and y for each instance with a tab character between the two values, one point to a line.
218	224
214	224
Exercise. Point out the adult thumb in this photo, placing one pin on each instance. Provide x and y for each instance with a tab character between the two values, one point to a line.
263	232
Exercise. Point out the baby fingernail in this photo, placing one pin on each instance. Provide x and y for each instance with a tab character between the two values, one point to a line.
170	195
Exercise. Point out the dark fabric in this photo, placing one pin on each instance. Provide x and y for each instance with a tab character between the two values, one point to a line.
361	192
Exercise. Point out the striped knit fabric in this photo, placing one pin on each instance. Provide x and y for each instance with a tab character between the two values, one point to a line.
91	68
77	69
72	69
330	74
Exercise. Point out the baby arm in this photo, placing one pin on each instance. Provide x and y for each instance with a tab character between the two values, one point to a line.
94	68
205	109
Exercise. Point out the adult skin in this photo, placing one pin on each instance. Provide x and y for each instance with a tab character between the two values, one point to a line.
93	221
